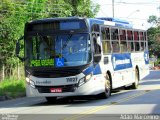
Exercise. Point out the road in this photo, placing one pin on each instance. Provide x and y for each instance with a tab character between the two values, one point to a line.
123	104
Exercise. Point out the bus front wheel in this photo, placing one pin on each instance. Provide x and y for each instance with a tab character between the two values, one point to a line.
107	91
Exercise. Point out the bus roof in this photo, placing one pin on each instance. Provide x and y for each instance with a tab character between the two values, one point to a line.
118	22
46	20
102	21
114	20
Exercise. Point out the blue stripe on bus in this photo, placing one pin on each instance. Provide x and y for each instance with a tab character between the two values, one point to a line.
96	70
88	70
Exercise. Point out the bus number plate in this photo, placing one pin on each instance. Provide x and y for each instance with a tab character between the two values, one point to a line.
55	90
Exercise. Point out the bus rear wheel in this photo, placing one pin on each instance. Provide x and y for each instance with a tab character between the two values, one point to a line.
107	91
51	99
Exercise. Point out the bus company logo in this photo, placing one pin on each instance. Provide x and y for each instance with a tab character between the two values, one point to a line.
43	82
120	63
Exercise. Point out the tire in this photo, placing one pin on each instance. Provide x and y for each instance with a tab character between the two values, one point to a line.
51	99
136	83
108	87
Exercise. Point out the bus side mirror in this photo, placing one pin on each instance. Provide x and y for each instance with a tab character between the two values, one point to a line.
18	48
97	50
97	58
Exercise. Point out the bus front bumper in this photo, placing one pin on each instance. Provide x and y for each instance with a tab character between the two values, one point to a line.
89	88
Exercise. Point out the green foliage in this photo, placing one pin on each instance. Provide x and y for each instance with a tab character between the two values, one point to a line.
153	19
15	13
12	88
157	63
154	41
83	8
154	35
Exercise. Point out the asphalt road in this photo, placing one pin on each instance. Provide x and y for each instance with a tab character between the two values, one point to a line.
143	103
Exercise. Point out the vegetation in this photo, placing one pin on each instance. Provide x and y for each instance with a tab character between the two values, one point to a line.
154	41
15	13
13	16
154	36
12	88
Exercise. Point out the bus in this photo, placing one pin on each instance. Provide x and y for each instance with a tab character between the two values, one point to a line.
77	56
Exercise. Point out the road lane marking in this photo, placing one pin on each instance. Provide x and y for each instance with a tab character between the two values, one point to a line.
102	107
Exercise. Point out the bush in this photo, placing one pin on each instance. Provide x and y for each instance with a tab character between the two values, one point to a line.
157	63
12	88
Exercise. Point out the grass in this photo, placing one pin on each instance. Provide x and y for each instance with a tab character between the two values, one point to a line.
12	88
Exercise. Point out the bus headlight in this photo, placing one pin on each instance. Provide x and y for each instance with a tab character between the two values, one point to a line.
30	82
85	79
27	80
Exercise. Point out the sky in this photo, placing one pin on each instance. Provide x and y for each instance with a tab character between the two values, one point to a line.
136	12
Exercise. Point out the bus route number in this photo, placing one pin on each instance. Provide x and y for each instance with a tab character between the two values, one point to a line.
74	79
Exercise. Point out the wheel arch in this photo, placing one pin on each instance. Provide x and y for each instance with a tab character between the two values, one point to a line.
110	77
137	68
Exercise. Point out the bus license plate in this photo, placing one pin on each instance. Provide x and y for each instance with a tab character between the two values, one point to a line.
55	90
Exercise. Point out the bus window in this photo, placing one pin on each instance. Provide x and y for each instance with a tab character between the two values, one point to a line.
141	36
142	46
108	33
95	28
115	46
105	40
123	46
103	33
145	36
137	46
106	47
129	35
136	36
122	34
114	34
130	46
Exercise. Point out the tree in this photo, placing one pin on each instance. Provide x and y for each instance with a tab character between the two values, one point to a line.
154	20
15	13
83	8
154	41
154	36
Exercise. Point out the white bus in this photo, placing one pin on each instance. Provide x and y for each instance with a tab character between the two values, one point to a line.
82	56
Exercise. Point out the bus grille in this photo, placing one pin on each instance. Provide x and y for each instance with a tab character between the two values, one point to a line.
65	88
53	74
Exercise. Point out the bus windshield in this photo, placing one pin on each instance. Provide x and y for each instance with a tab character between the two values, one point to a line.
58	50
